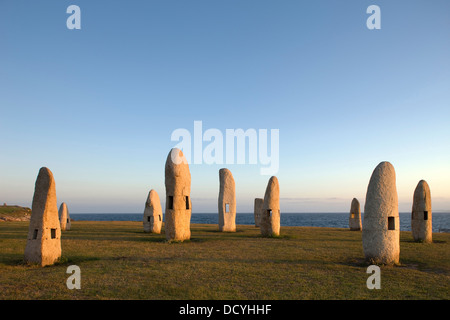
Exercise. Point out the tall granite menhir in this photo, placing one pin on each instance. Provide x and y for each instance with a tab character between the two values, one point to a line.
270	215
44	234
257	210
64	217
153	215
421	222
178	200
227	201
381	225
354	221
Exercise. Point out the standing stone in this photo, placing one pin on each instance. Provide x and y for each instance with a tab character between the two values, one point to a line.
64	217
227	201
153	213
421	216
270	216
354	220
257	210
44	234
178	200
381	225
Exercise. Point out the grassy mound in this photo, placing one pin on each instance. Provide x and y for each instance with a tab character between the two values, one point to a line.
14	213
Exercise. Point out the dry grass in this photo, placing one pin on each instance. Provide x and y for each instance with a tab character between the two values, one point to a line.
119	261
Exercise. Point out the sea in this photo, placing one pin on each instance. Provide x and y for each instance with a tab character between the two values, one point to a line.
441	220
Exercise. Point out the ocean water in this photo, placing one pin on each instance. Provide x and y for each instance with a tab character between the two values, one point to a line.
441	220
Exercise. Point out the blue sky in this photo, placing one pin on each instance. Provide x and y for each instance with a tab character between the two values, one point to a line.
98	105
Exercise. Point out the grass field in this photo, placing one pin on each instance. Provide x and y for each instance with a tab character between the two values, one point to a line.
119	261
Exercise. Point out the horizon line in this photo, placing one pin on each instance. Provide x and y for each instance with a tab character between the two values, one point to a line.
332	212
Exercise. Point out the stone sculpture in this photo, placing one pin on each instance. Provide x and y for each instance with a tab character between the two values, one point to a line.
270	216
421	216
354	220
178	200
64	217
381	225
227	201
257	210
153	215
44	234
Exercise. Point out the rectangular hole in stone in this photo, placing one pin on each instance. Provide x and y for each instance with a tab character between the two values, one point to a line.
148	219
35	233
269	212
68	220
53	233
353	215
425	215
159	217
391	223
170	204
227	207
187	202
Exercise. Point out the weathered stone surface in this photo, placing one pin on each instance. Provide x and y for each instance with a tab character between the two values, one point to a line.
44	235
178	199
257	210
270	217
354	220
64	217
421	216
153	215
381	225
227	201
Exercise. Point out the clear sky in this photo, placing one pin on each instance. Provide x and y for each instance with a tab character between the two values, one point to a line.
98	105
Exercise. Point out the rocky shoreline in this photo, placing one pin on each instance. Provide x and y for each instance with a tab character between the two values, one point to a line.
14	213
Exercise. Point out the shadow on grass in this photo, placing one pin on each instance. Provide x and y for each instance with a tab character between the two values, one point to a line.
404	264
191	261
16	260
363	263
355	262
160	238
420	242
119	236
217	231
421	266
278	237
13	235
12	259
64	260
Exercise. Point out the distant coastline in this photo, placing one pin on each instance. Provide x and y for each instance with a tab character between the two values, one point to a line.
441	220
14	213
